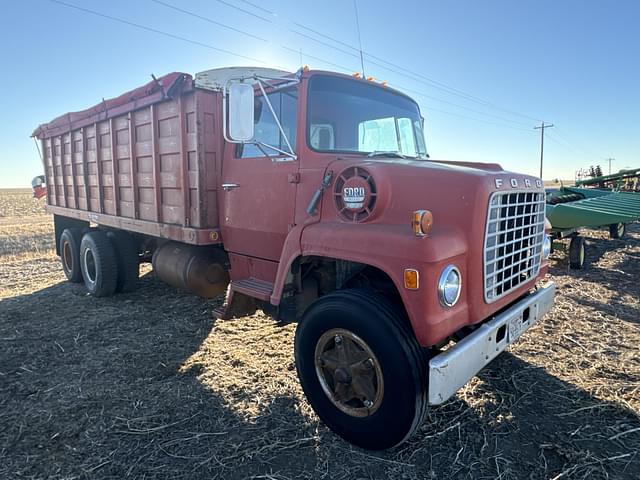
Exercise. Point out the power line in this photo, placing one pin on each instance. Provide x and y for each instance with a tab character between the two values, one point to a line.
358	55
400	87
229	52
417	92
589	152
235	7
155	30
429	81
335	65
207	19
404	72
258	7
502	125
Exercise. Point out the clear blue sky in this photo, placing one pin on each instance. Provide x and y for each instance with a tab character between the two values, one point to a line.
573	63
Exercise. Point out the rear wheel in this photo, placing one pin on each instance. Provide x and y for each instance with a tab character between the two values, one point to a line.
70	254
577	253
98	263
361	369
617	230
128	260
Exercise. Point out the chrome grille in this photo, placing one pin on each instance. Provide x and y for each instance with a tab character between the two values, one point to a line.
513	241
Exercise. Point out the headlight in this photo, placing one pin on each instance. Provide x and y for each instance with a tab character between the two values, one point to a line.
449	286
546	247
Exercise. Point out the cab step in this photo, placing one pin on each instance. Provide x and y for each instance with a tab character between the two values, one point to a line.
241	298
253	287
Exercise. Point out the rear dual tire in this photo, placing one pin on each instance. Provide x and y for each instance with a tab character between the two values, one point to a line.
107	262
375	396
98	261
128	260
70	254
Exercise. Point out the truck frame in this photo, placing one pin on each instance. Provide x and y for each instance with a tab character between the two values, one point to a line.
309	195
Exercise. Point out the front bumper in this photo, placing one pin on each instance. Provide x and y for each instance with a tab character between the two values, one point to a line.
453	368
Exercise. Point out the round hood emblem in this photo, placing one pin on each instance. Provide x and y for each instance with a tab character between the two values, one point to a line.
355	194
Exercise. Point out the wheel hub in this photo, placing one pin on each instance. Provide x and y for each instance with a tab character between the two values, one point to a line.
349	372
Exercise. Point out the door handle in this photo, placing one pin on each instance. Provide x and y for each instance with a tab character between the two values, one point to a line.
229	186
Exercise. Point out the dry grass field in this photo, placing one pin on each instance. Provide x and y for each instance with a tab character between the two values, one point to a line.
148	385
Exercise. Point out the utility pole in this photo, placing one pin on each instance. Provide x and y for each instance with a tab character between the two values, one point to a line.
610	160
542	127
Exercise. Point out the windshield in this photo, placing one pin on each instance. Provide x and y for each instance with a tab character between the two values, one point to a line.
356	116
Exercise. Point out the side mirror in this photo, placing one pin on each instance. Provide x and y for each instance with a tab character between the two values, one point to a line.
241	112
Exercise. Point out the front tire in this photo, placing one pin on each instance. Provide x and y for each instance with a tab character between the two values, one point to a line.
362	369
98	262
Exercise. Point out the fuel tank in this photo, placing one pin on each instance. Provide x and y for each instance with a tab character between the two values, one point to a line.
198	269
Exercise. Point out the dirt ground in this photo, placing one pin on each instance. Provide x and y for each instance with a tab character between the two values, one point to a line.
148	385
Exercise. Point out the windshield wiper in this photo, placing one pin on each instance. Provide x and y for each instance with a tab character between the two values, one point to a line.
382	153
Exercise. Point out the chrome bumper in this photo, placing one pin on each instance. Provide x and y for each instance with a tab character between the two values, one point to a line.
453	368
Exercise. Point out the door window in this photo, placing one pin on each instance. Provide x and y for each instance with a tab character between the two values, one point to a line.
285	104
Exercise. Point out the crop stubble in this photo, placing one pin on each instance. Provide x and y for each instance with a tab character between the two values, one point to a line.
149	385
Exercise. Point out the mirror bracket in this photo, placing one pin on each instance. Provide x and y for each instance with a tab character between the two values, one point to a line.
261	82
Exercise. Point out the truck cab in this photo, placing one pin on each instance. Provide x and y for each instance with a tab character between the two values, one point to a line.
407	274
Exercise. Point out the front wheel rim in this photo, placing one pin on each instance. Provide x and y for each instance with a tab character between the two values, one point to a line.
349	372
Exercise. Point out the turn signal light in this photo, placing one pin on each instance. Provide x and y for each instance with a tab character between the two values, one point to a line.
411	279
421	222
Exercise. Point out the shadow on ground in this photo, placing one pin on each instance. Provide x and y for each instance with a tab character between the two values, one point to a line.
94	388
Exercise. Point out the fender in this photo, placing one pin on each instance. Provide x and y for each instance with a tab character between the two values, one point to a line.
369	244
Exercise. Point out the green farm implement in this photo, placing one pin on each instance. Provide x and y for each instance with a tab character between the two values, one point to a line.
571	208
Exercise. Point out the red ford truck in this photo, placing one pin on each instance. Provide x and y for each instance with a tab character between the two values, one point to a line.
309	195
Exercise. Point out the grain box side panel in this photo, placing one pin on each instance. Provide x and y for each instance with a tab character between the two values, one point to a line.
168	120
68	171
121	152
143	165
77	156
212	155
91	165
47	152
105	167
58	174
193	134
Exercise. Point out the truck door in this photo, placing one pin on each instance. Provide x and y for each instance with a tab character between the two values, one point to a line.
259	184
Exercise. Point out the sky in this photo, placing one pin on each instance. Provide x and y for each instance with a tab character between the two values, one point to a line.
485	73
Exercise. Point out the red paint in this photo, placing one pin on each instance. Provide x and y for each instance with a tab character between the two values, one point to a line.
154	160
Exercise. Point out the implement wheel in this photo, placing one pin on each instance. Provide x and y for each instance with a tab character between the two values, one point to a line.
617	230
98	262
70	254
577	253
361	368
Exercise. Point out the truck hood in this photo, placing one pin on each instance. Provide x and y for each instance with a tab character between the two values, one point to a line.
457	193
